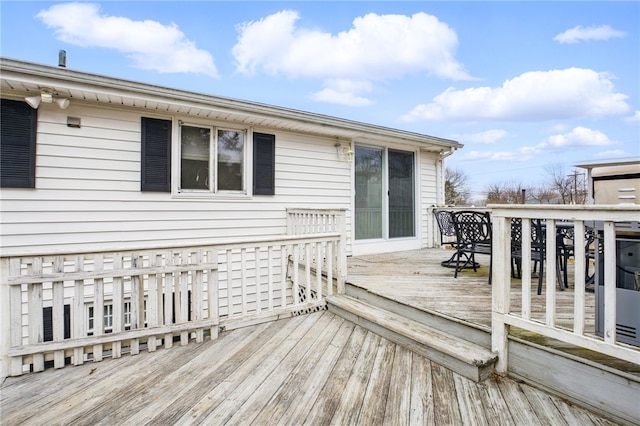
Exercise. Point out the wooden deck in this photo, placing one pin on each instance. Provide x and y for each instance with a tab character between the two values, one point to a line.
310	369
417	279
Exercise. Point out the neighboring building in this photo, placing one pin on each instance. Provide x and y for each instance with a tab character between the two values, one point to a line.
103	163
613	182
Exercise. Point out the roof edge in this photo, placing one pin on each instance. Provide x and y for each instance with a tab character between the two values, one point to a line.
97	81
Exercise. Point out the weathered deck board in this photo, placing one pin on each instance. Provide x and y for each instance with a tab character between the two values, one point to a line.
312	369
417	278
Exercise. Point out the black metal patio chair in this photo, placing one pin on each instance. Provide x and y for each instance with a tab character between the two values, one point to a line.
538	251
473	236
444	220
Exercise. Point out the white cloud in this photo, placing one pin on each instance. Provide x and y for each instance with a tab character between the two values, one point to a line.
375	48
149	44
344	92
580	33
579	137
634	117
486	137
532	96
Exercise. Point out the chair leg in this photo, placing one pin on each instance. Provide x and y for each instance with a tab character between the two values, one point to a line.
561	284
459	254
540	275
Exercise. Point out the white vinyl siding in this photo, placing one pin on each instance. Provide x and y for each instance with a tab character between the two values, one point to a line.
88	196
428	196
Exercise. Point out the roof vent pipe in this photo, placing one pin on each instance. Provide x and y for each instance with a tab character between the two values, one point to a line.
62	58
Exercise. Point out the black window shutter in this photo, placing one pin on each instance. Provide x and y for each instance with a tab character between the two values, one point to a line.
47	322
264	164
155	164
17	144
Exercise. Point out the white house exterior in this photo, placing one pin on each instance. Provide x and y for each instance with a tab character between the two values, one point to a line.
120	167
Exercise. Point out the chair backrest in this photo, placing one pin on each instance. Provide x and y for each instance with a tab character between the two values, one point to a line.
537	234
445	223
516	232
472	227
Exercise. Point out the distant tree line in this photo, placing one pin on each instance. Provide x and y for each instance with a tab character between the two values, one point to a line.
558	187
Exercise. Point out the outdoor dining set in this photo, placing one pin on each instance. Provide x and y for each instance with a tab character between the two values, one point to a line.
469	233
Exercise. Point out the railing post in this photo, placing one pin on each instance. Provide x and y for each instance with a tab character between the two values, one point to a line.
5	318
501	282
342	253
610	303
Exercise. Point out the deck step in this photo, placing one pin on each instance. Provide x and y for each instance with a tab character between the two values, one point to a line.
465	358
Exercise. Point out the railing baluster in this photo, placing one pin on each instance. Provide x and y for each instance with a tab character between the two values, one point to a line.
137	294
319	264
258	274
330	268
35	314
197	311
98	307
270	275
117	305
284	265
526	268
579	277
243	280
78	312
212	292
183	295
308	263
550	263
154	291
296	274
230	312
57	311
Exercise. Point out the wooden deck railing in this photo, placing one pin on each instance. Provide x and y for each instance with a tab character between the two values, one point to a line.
302	221
77	307
607	221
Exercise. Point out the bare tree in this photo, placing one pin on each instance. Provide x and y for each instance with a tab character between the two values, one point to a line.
542	195
456	187
570	188
507	193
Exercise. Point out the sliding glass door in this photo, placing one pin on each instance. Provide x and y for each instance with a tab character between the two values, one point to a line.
369	188
384	193
401	193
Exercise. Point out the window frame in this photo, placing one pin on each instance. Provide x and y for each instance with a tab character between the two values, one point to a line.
213	190
107	316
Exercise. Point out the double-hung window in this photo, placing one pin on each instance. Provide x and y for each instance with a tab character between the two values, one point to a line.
212	159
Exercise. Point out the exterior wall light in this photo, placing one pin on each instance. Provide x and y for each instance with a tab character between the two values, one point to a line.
348	153
46	96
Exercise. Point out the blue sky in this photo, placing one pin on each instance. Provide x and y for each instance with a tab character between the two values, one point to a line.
523	85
